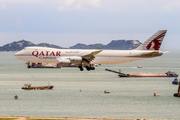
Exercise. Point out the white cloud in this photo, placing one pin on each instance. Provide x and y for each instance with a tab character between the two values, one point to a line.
69	2
3	6
109	5
62	4
78	4
171	5
20	1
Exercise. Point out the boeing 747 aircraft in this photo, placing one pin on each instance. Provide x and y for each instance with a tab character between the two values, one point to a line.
88	58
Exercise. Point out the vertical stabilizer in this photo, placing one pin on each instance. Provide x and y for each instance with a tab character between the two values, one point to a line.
154	42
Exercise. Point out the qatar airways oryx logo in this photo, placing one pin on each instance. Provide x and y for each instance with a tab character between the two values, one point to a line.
156	42
46	53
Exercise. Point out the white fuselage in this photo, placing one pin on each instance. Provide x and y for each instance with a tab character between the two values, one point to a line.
51	55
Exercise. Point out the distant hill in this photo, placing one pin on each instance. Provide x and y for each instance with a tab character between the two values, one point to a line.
84	46
19	45
113	45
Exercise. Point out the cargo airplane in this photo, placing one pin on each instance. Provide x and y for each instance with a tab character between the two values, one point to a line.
88	58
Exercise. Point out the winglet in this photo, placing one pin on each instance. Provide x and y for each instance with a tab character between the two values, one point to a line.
154	42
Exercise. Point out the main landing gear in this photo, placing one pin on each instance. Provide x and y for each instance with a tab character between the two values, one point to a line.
90	68
87	67
81	69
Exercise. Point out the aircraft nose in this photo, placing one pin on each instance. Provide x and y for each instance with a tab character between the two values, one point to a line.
17	55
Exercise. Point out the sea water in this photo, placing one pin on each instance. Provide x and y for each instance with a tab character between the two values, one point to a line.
81	93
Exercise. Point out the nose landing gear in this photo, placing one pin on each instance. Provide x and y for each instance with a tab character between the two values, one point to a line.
28	65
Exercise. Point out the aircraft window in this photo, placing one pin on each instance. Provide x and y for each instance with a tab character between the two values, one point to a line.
24	49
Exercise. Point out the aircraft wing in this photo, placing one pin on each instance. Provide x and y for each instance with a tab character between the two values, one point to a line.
152	54
90	56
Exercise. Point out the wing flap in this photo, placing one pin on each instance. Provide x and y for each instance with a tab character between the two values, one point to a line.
90	56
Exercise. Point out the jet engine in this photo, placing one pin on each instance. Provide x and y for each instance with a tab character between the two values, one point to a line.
75	60
64	62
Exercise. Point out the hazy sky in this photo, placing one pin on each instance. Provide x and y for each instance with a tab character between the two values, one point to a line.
67	22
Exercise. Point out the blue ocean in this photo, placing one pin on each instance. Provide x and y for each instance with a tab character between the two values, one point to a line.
81	93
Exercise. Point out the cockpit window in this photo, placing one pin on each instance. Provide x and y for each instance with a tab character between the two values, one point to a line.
24	49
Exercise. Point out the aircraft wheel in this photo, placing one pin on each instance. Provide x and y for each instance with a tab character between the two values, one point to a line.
81	69
28	66
93	68
88	68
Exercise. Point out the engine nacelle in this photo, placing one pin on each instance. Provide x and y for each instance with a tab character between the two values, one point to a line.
75	60
64	62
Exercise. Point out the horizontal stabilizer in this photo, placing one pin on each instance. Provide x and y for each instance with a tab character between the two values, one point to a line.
152	54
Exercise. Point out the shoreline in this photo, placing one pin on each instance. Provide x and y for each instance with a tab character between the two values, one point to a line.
8	51
63	118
